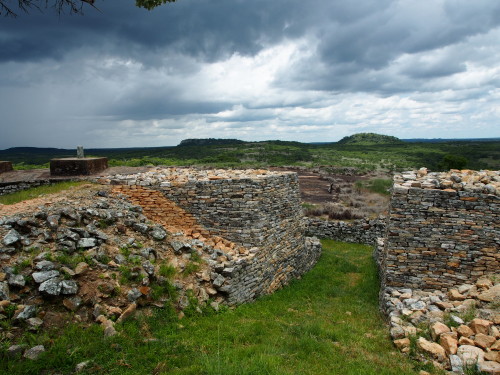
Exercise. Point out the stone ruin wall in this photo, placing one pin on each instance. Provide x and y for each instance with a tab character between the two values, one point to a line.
253	217
365	231
14	187
443	229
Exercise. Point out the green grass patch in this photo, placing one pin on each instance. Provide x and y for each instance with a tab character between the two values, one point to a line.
326	323
377	185
38	191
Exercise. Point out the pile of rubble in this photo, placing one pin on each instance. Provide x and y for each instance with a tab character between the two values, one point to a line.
455	330
96	258
483	182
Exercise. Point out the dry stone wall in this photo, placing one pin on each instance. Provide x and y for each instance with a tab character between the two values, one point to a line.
365	231
253	216
13	187
443	229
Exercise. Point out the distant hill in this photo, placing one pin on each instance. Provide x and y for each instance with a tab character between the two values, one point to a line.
442	140
209	142
369	139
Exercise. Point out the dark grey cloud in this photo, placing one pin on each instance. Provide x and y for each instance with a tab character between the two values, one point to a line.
208	30
248	69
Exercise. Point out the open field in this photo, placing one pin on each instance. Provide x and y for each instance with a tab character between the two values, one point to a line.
326	323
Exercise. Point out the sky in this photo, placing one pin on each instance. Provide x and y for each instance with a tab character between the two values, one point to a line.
308	71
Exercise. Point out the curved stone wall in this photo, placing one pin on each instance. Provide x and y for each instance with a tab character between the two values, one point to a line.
258	211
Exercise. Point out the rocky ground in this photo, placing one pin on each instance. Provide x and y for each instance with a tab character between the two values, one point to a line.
91	256
456	330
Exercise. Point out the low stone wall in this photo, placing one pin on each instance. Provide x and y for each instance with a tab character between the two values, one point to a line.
259	211
365	231
12	187
5	166
443	229
77	166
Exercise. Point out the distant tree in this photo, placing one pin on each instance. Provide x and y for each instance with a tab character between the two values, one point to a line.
11	7
451	161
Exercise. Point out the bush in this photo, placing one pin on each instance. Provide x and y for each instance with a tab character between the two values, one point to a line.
451	161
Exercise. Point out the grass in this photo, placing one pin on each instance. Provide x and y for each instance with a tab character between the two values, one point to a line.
376	185
38	191
326	323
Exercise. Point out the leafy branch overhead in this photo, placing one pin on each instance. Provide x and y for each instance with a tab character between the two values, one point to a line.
12	7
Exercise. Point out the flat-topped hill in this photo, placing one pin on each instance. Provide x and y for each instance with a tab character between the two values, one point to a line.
369	139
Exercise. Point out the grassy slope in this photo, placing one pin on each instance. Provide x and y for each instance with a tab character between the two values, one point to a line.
326	323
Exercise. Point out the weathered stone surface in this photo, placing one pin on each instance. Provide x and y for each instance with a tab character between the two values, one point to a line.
40	277
158	233
496	345
81	268
492	294
436	351
456	364
11	238
72	303
492	355
470	354
465	331
402	344
17	281
34	323
28	312
34	352
69	287
489	367
87	243
129	311
51	286
480	326
465	341
454	295
484	341
4	291
449	344
133	294
437	329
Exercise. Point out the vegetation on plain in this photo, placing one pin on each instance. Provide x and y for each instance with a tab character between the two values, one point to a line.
365	152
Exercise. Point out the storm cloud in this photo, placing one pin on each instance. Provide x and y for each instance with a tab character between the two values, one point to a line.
291	70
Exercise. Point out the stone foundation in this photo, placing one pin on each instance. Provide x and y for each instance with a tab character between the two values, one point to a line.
5	166
77	166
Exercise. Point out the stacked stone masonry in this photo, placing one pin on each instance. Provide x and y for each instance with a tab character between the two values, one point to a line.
254	215
5	166
365	231
443	229
13	187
